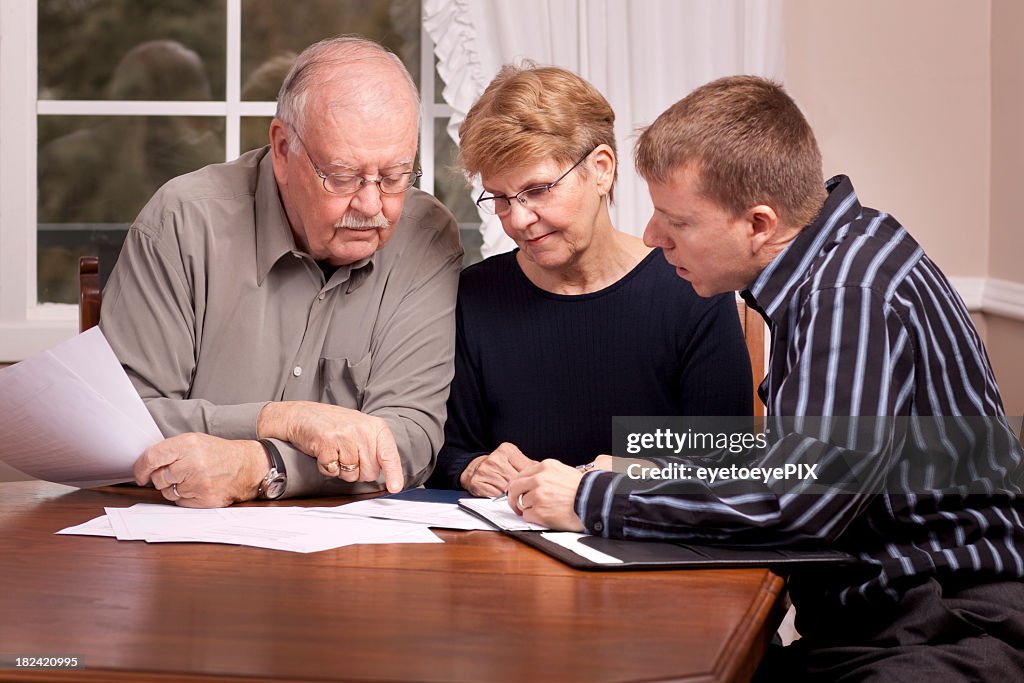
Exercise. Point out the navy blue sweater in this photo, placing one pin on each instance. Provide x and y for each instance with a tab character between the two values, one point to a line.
547	372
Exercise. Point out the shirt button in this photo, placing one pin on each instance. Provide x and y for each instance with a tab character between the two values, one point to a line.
321	296
297	371
598	526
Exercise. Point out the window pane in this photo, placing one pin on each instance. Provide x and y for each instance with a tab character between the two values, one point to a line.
255	132
451	188
275	31
132	49
96	173
60	245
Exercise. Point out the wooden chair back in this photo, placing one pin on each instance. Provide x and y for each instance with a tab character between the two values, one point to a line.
89	296
753	333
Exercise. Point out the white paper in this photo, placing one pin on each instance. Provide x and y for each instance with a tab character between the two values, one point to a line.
438	515
100	526
293	529
70	415
498	512
571	541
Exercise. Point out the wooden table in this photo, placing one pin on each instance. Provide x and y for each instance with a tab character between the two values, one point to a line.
480	607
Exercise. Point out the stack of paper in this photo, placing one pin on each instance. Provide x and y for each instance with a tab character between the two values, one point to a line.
401	518
294	529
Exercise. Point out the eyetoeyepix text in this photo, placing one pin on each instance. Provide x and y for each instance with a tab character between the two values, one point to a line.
713	474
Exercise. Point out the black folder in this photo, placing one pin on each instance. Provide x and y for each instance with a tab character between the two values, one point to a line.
661	555
642	554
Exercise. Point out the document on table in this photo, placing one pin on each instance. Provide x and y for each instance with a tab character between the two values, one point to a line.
497	512
292	529
438	515
71	415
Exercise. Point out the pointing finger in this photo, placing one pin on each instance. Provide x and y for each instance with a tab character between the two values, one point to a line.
390	461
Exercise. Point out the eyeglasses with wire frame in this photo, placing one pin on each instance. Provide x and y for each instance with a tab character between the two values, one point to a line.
533	197
345	183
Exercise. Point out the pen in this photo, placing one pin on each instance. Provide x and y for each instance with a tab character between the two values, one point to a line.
503	496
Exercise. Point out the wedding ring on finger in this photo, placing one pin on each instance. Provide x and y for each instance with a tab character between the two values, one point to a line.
347	468
520	502
174	489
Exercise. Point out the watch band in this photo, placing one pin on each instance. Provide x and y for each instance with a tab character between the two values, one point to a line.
273	484
274	455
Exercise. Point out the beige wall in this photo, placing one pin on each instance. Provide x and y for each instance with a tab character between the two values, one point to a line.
1005	342
1006	244
921	102
1005	337
898	94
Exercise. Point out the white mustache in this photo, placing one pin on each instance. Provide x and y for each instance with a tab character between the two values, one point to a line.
357	221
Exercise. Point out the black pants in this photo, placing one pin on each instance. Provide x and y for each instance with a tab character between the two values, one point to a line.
936	634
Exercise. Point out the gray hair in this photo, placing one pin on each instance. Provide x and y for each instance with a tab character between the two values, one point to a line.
295	89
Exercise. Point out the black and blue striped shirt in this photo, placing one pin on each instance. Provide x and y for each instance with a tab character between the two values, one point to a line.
863	325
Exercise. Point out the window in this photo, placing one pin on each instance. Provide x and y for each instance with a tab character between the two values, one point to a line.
105	100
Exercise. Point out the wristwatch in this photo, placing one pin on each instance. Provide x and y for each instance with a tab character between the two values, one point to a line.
273	485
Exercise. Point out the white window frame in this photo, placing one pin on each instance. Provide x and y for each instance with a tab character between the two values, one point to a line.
27	326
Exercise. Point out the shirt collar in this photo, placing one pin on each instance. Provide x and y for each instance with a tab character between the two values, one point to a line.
775	284
274	237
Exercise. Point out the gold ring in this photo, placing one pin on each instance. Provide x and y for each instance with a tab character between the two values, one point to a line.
520	501
347	468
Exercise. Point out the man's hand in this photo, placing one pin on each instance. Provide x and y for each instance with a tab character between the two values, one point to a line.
202	471
545	493
488	475
346	443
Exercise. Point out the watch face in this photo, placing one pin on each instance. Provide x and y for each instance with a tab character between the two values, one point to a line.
276	487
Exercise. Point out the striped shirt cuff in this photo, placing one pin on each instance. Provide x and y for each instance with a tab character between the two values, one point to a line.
600	510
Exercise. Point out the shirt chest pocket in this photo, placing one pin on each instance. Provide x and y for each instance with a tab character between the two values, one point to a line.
343	381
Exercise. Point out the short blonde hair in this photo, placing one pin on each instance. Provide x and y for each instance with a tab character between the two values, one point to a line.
532	113
748	141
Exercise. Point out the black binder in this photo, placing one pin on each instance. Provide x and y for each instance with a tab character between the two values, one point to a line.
660	555
640	554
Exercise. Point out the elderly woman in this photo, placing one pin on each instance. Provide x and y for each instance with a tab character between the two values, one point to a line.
582	322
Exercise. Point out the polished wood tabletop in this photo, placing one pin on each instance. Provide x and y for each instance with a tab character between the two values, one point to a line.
480	607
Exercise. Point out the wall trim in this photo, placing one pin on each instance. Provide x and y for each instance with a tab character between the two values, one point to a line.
991	296
1005	298
971	290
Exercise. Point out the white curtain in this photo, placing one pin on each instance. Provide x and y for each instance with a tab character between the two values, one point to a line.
643	55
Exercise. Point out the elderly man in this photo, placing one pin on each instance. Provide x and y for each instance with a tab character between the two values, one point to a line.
866	331
288	317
